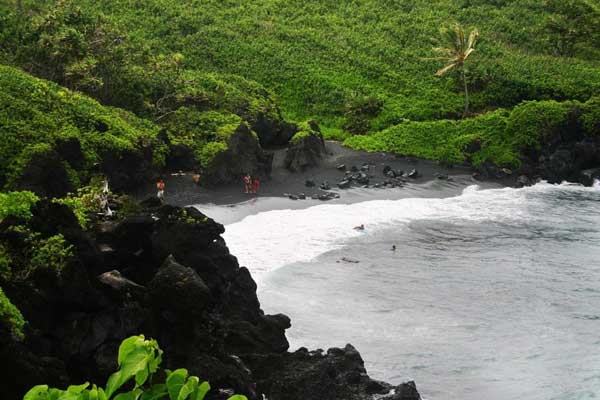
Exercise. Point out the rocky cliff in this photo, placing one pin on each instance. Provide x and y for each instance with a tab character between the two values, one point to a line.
167	273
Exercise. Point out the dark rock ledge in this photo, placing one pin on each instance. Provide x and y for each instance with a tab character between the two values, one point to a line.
165	272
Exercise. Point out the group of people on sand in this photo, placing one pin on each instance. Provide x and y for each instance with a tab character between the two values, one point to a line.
251	185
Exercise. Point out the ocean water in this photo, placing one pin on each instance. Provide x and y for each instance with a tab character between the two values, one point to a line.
490	294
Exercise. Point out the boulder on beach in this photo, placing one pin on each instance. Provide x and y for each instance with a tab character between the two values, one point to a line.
413	174
306	148
242	156
362	178
345	184
273	131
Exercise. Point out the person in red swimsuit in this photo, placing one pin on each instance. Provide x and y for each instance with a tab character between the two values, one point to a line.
255	185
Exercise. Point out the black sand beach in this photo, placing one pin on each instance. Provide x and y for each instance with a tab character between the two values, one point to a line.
182	191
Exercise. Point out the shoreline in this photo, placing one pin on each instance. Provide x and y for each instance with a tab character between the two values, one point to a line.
182	191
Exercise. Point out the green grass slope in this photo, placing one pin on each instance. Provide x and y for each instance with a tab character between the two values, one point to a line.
357	67
331	60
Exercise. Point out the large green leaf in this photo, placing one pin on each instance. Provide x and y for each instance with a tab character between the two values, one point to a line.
155	392
137	358
127	346
96	393
132	395
39	392
238	397
175	382
75	389
188	388
201	391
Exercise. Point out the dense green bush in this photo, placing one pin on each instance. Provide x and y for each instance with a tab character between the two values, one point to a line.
438	140
50	253
533	120
304	130
86	202
17	204
590	118
206	133
500	136
11	316
139	361
36	114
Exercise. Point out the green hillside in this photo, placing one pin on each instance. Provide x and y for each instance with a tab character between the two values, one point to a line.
37	116
356	67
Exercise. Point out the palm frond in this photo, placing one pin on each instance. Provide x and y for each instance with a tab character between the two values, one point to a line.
447	68
468	53
473	39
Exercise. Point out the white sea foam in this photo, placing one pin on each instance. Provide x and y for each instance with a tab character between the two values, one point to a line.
272	239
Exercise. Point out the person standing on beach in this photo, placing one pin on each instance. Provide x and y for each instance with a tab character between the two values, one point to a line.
255	185
247	183
196	178
160	186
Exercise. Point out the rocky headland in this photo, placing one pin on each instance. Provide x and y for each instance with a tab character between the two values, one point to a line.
165	272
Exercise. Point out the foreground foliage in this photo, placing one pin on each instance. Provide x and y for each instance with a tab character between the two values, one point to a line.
139	361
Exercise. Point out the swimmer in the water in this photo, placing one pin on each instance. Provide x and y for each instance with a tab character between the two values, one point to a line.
361	227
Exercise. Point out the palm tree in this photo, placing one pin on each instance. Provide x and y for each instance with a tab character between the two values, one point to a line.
455	48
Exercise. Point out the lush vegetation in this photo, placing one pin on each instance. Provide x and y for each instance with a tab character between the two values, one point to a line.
137	378
36	115
498	137
305	129
11	316
455	48
23	252
196	68
322	56
17	204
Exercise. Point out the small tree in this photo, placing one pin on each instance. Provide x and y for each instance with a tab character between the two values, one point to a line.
455	48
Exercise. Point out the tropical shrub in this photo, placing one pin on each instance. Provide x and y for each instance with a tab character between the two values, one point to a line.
305	129
210	151
17	204
11	316
86	201
590	117
36	114
501	135
139	361
50	253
